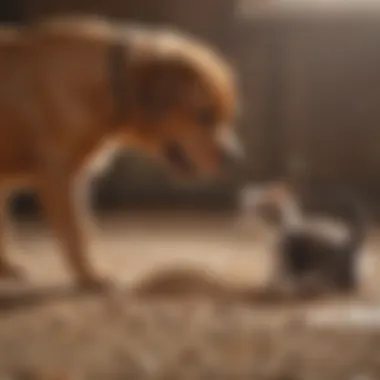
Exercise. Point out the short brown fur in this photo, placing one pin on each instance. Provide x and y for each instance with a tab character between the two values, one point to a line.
57	111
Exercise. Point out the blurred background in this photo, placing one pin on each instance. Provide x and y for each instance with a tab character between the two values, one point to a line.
310	91
310	82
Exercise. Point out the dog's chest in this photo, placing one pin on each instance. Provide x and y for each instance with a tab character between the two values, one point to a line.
102	158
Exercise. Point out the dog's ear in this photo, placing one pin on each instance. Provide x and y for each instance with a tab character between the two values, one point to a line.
161	85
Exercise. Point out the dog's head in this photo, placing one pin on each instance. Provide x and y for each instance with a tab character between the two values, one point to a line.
185	105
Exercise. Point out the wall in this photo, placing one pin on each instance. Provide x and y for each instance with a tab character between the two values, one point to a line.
310	91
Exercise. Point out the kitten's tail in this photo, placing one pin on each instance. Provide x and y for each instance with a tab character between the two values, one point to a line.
186	282
357	219
351	210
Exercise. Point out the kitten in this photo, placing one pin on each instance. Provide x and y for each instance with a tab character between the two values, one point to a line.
311	254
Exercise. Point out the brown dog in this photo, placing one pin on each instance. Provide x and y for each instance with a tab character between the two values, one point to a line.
73	90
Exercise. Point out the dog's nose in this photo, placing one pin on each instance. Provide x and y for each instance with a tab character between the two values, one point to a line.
231	151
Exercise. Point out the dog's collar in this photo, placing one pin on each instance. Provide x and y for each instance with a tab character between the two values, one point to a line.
119	81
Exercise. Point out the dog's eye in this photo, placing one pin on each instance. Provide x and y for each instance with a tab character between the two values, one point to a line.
206	117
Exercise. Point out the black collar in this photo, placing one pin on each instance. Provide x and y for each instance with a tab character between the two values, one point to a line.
118	81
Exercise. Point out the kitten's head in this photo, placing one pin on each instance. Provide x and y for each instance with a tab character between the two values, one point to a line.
271	205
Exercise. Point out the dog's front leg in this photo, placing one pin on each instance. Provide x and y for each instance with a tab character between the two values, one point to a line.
58	196
7	269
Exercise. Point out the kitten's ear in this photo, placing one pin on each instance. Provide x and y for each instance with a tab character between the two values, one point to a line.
282	191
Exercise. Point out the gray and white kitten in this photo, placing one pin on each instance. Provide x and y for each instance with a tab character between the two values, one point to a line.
312	253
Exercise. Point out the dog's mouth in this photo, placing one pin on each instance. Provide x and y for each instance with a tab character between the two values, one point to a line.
177	158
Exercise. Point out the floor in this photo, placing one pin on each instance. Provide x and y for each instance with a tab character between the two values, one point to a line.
179	340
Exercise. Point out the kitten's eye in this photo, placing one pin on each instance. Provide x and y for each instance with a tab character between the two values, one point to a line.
206	117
